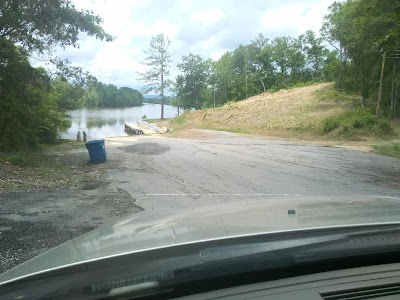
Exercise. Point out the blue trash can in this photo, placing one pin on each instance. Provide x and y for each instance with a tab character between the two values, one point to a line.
97	151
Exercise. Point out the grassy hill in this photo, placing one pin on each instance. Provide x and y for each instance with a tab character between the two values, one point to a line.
316	113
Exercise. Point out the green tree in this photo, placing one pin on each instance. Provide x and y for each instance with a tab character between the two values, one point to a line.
42	24
192	88
129	97
316	53
365	32
288	56
262	62
158	61
28	109
223	78
32	106
334	32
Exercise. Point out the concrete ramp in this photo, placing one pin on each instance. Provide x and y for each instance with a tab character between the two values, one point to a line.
135	128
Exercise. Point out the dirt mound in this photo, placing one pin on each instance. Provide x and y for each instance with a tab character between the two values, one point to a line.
285	109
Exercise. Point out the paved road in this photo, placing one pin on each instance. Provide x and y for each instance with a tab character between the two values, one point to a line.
157	173
162	173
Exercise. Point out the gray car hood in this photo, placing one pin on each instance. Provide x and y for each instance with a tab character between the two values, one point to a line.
148	230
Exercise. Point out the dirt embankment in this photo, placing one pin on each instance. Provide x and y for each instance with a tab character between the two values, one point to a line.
285	109
295	114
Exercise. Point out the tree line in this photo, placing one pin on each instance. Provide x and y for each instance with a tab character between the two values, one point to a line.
358	48
108	95
246	71
252	69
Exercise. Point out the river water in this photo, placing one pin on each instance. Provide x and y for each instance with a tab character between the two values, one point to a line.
107	122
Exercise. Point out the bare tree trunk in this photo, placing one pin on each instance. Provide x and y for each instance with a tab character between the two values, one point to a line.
364	90
392	98
214	96
342	64
162	92
246	85
396	100
379	101
262	84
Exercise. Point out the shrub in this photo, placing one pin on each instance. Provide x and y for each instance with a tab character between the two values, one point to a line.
331	123
178	120
363	120
273	89
383	127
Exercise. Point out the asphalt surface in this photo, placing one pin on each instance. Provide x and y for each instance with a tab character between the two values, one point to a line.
158	173
163	173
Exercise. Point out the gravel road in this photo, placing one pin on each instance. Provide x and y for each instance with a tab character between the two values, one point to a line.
157	173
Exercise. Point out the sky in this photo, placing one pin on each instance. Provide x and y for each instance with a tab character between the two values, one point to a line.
205	27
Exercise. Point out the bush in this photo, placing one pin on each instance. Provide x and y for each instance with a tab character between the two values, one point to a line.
273	89
179	119
363	121
383	127
331	123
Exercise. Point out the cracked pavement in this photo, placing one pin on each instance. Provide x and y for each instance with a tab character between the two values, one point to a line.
158	173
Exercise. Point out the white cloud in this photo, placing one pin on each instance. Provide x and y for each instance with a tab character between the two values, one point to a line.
208	17
296	17
205	27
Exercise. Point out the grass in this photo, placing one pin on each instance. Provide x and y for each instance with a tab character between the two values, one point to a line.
215	127
391	148
40	157
336	96
21	158
179	120
49	167
275	89
157	120
360	122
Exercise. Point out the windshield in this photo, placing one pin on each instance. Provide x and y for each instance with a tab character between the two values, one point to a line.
133	125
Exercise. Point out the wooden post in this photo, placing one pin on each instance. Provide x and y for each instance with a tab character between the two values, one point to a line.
379	101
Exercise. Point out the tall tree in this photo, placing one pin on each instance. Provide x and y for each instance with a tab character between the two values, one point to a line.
29	96
158	61
365	31
191	86
315	51
333	31
287	55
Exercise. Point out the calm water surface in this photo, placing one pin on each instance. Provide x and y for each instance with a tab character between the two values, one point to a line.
107	122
